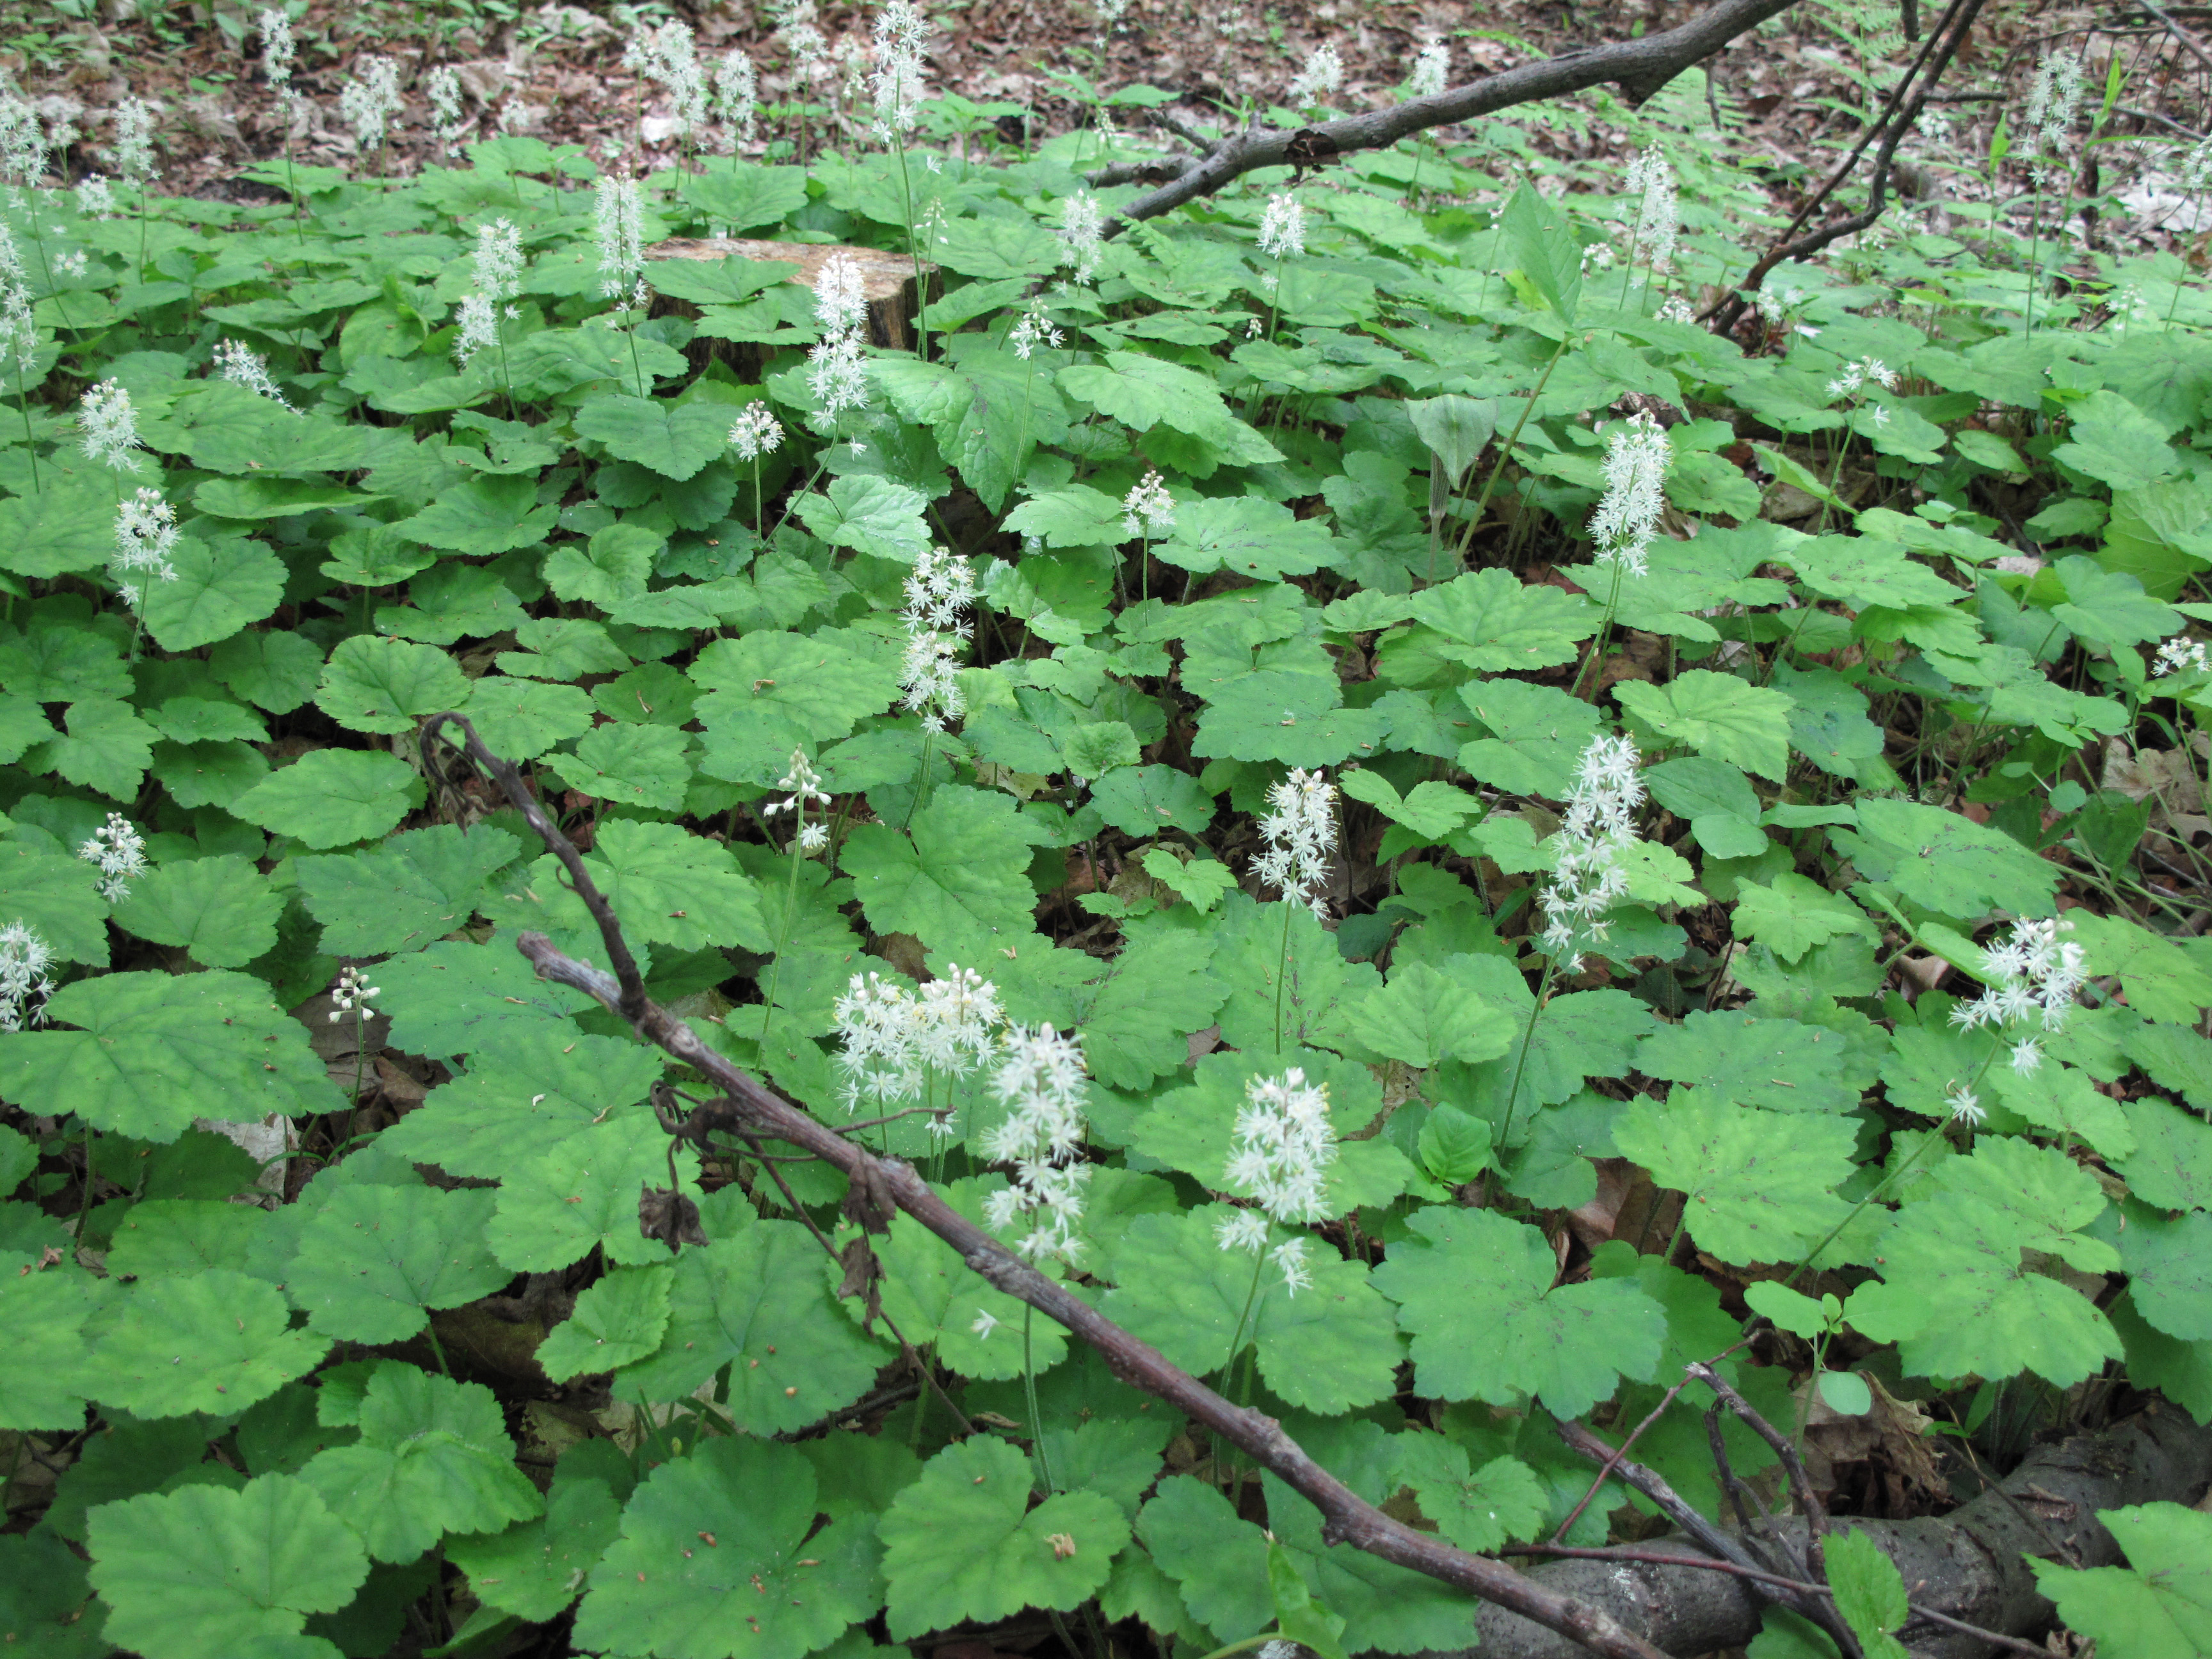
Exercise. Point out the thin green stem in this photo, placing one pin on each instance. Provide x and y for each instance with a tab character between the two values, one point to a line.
1505	454
1282	971
1527	1041
1029	1395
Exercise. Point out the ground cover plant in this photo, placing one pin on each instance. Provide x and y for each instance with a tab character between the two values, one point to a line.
981	932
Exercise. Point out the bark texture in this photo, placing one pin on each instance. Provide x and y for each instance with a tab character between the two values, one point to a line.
1971	1564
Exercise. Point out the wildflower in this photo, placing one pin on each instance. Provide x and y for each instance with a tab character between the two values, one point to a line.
1963	1106
669	55
755	432
1431	69
958	1017
1043	1082
95	197
2030	976
876	1021
1283	227
1319	80
443	89
813	838
477	321
901	34
370	101
1853	378
133	154
22	143
75	263
1636	458
1676	309
1283	1147
241	365
737	91
145	538
2054	99
1252	326
120	852
841	305
19	333
837	375
940	592
1600	825
1148	509
110	425
2181	656
805	785
497	261
277	51
1082	226
1300	835
26	976
617	218
1032	330
2196	166
986	1322
353	992
1657	217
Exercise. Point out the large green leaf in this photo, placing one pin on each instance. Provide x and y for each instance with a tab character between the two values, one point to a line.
2159	1606
212	1572
1143	393
154	1051
770	693
581	1196
483	516
211	1341
1946	861
1756	1186
962	1543
870	514
1716	715
221	911
1474	1290
1491	621
68	526
718	1559
959	881
372	684
534	1569
374	1261
1422	1017
674	440
220	586
105	748
405	892
58	898
1249	534
332	797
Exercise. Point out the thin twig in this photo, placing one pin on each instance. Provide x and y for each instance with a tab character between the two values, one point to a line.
1635	1434
2195	47
879	1187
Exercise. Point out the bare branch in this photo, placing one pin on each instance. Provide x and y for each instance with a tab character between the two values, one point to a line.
2195	47
749	1109
1638	68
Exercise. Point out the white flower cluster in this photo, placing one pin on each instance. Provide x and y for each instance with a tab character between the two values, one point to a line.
669	55
448	121
618	222
1148	509
1082	234
498	271
1658	213
1283	227
1964	1105
120	852
1852	379
1285	1145
892	1038
837	375
145	539
1043	1082
1319	80
19	331
797	22
26	976
1637	455
133	154
1431	69
806	786
1032	330
370	101
2031	977
278	52
939	592
2054	99
239	364
109	422
95	197
22	145
755	432
736	96
2181	656
353	991
1587	879
894	83
1300	834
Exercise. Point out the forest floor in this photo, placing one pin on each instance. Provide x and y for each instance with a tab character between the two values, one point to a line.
1796	89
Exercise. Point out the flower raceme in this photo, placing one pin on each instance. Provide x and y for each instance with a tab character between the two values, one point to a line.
120	852
617	218
1042	1081
109	423
1283	227
1600	825
1148	509
1283	1147
26	976
755	432
1300	835
2031	978
806	786
1637	456
1658	214
145	538
939	592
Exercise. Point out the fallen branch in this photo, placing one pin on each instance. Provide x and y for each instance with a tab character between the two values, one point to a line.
1969	1567
879	1185
1638	68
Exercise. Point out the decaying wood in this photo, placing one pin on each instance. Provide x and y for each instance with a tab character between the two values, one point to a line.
886	279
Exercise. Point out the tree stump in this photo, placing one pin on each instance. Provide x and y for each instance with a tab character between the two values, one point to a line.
886	279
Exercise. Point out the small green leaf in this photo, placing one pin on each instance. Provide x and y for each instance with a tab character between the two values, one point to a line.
674	440
1869	1592
405	892
1200	882
1716	715
221	911
617	1322
1792	914
1297	1615
1422	1017
2157	1606
532	1569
